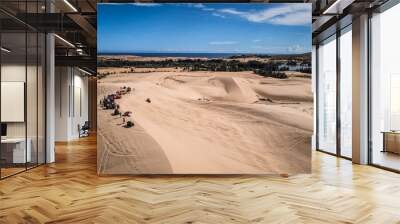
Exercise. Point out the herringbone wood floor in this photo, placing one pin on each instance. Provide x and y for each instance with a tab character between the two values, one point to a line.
69	191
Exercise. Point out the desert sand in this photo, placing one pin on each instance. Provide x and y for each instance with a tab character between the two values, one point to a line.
207	123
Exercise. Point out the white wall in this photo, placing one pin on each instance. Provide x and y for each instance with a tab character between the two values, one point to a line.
71	87
62	81
13	101
33	126
12	73
80	110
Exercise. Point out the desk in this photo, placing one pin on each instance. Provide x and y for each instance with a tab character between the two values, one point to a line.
391	141
13	150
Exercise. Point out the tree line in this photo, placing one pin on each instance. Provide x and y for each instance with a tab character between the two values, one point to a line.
267	69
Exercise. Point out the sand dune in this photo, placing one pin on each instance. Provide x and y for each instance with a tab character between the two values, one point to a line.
122	149
236	89
207	122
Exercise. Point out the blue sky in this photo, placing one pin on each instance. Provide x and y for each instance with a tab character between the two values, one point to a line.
204	28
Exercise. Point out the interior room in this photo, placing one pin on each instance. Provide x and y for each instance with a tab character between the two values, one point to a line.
71	103
385	90
49	105
27	59
22	99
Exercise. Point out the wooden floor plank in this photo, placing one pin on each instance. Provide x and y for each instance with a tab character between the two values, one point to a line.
69	191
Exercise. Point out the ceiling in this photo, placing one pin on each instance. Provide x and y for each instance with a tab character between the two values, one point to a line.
74	22
330	15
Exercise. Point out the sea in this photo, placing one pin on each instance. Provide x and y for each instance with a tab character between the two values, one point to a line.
187	55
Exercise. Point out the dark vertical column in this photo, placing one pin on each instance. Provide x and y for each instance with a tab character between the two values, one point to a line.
317	97
45	90
338	81
26	86
92	103
37	89
369	43
45	96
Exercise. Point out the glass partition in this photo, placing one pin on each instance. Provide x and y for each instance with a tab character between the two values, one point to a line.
22	88
385	89
327	95
41	97
346	92
13	94
31	98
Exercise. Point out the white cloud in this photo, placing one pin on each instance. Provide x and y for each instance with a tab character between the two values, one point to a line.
145	4
296	49
269	48
256	40
287	14
223	42
218	15
200	6
232	11
208	9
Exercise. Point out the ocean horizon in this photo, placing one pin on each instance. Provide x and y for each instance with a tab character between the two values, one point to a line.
188	55
162	54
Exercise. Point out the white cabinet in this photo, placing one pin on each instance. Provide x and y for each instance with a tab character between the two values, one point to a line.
17	146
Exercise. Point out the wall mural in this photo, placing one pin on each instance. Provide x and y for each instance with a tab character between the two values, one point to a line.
204	88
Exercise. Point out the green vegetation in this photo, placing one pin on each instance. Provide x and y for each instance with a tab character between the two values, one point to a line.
268	68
